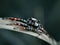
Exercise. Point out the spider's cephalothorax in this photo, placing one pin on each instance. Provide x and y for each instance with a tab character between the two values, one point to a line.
34	24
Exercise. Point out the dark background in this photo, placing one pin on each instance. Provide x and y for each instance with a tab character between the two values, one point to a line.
48	11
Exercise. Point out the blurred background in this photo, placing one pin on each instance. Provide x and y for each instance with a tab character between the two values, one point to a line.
48	11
